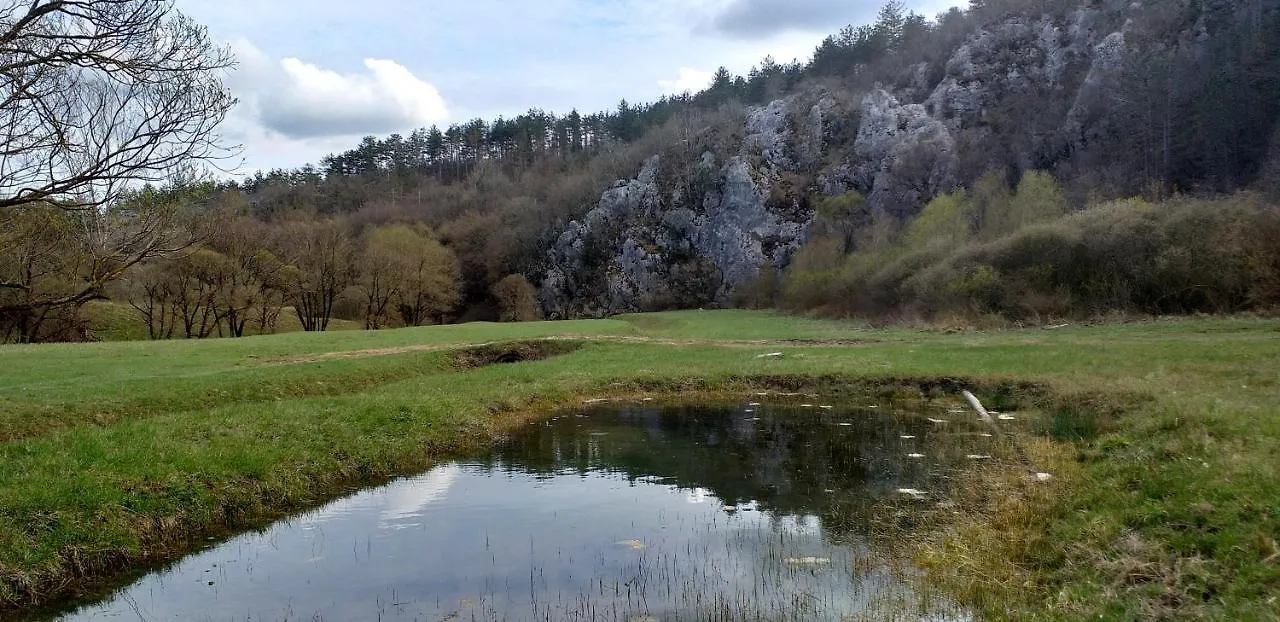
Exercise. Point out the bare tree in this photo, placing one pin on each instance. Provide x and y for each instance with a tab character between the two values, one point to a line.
96	94
322	255
53	261
517	299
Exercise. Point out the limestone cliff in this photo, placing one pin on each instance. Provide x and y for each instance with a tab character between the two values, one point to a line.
689	237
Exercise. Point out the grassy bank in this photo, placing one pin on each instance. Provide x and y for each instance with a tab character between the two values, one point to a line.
1165	437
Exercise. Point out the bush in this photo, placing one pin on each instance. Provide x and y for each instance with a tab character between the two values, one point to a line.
811	277
517	299
1180	256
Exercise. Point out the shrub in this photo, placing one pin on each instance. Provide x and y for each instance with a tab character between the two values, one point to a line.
517	299
1180	256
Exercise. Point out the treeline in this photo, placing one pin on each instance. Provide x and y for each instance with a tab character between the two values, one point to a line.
192	262
397	167
450	154
996	254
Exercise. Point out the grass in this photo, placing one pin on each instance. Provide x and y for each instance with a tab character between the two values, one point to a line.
115	321
1163	436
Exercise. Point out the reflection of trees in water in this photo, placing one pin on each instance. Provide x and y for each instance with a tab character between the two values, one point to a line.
790	461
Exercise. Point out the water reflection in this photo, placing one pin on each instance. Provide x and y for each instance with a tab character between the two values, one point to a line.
610	513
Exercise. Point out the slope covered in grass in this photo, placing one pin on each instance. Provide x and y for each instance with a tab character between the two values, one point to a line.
1164	435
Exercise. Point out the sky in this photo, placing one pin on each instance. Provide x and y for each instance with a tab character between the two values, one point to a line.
313	76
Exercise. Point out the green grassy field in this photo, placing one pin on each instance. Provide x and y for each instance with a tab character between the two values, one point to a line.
1167	438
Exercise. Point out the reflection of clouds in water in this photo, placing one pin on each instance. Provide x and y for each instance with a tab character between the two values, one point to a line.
697	495
406	499
341	508
399	500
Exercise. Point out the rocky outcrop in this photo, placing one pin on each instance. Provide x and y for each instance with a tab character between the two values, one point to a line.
642	248
1037	89
1019	55
905	157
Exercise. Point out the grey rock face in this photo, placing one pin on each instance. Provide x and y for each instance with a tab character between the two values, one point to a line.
906	156
1018	55
1092	99
639	249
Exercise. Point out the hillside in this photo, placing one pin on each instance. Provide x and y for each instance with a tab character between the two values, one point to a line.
1023	160
1115	99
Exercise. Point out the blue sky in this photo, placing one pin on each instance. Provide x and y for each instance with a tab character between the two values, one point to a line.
316	75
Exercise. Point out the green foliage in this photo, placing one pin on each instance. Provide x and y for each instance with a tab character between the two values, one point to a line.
840	215
991	202
811	279
1037	199
946	222
1180	256
405	269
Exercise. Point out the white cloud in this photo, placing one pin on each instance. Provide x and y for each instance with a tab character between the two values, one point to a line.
311	101
690	81
302	100
292	111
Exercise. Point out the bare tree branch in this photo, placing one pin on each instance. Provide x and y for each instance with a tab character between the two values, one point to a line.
98	94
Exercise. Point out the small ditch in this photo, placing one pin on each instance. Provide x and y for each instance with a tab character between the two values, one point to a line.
511	352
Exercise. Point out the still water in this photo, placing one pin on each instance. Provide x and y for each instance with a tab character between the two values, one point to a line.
629	512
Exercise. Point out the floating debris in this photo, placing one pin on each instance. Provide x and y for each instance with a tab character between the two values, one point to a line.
985	435
1043	477
771	355
731	508
598	400
634	545
1006	417
599	434
827	407
754	404
906	437
915	455
806	406
978	457
932	420
874	406
647	399
912	492
749	410
808	561
755	418
762	394
845	424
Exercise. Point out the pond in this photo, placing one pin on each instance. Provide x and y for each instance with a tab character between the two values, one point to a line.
633	512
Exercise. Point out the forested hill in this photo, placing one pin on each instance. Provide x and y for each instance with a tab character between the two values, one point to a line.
1113	98
998	161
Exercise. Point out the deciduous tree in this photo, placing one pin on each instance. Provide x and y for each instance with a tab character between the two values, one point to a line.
517	299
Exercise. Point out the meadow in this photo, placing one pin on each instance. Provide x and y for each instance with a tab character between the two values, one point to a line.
1162	437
